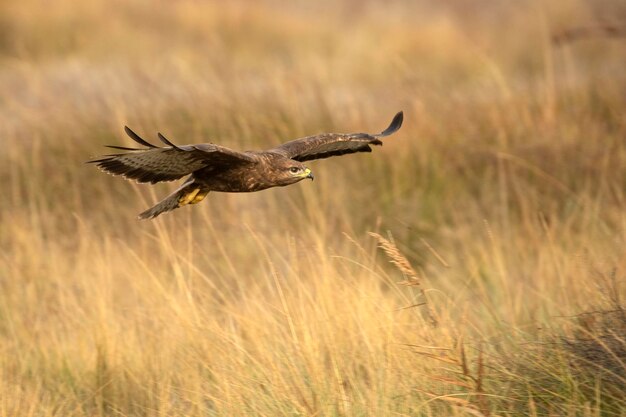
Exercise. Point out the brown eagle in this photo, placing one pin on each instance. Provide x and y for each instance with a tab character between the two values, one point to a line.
217	168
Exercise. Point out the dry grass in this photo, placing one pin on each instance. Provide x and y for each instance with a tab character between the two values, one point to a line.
503	197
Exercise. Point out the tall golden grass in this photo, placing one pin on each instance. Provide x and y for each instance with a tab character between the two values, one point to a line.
501	205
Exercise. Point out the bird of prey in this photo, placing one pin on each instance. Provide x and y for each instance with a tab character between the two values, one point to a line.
217	168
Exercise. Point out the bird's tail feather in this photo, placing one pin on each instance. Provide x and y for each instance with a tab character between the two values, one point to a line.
189	193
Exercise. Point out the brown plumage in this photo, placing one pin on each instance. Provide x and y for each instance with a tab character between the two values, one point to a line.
216	168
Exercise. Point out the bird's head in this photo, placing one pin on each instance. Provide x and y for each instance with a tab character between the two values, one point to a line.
288	171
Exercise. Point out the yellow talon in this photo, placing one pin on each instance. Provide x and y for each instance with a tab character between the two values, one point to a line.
199	197
188	198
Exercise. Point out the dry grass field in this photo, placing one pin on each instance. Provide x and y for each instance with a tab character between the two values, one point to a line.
473	266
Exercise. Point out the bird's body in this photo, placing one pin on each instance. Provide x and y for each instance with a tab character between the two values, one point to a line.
216	168
264	173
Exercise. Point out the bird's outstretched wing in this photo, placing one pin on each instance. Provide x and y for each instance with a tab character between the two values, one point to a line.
154	164
333	144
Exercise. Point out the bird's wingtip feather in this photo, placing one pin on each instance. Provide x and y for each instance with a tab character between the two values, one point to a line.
395	125
137	138
166	141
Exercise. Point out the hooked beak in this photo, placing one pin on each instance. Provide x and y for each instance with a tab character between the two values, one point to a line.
309	174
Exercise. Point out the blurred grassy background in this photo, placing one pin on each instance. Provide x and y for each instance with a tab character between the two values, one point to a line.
505	190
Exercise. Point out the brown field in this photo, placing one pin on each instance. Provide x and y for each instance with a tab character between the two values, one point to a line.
473	266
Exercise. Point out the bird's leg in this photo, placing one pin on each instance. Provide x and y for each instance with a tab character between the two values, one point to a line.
188	198
199	197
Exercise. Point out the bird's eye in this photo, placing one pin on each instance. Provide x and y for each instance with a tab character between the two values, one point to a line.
294	170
